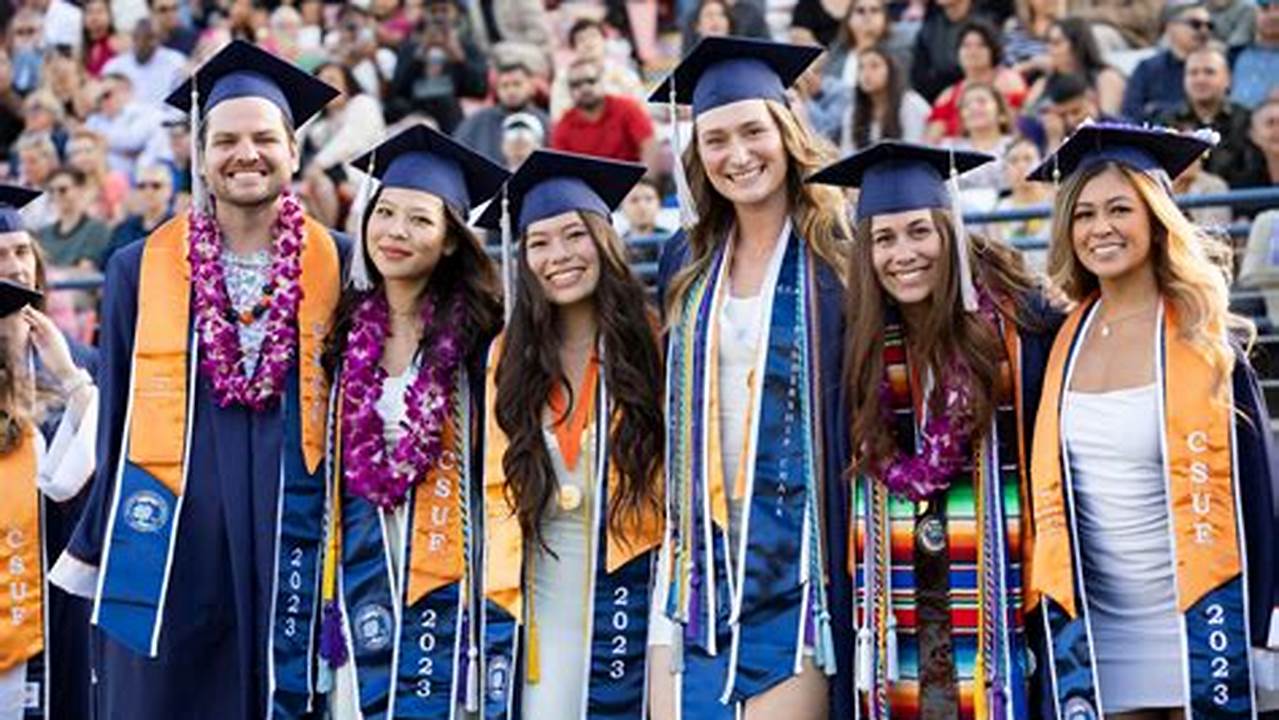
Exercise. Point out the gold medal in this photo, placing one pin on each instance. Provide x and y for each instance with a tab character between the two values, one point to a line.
570	498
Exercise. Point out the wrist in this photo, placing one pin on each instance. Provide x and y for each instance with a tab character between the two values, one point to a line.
74	381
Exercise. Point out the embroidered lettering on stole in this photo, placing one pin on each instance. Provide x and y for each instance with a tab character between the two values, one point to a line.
21	574
1204	527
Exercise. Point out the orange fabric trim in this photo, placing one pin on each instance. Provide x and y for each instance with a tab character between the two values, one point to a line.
1051	571
21	584
438	558
569	431
1198	462
162	335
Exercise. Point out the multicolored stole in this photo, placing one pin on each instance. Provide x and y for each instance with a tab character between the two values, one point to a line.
1199	470
21	556
747	613
411	637
142	528
618	600
938	601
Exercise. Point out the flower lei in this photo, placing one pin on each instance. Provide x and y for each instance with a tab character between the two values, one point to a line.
216	321
380	476
943	443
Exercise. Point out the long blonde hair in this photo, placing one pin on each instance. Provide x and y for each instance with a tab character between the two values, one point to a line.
817	209
1186	262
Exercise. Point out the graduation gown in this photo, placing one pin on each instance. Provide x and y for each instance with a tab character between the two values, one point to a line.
833	426
212	657
64	664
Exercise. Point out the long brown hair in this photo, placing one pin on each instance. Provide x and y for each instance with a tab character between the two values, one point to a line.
864	108
530	366
950	333
14	410
468	274
1182	258
817	209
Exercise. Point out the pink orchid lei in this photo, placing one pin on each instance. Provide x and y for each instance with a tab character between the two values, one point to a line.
380	476
221	358
944	445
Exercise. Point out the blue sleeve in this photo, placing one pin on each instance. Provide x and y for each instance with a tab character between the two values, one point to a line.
1256	475
1134	104
120	308
674	255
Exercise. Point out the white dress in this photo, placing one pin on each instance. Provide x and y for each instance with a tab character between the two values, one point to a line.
63	467
1116	465
560	586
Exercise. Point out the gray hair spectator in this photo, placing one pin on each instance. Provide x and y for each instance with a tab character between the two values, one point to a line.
126	125
522	133
483	130
150	205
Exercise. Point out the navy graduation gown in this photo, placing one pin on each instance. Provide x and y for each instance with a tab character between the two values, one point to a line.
836	443
67	640
212	659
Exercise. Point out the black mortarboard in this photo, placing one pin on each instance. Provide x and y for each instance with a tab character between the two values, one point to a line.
14	296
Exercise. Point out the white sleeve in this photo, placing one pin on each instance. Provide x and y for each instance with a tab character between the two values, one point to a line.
75	576
69	462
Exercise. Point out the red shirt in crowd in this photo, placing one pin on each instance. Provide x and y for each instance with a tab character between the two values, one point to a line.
618	134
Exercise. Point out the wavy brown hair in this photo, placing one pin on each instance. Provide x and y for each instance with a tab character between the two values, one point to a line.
818	210
949	332
14	410
1183	259
466	276
530	366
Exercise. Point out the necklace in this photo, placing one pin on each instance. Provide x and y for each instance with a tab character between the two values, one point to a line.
1108	323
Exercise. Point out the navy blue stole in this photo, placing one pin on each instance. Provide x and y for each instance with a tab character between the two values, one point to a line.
141	536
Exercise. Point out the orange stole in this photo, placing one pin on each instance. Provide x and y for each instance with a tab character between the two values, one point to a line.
21	584
436	547
159	393
504	541
1197	462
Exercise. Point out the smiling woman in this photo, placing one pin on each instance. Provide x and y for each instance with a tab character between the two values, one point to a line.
947	336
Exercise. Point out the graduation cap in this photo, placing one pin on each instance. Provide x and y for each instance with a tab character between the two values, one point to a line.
1145	149
239	70
899	176
719	71
15	296
12	199
549	183
421	158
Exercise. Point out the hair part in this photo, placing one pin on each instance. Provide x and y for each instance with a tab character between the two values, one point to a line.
529	368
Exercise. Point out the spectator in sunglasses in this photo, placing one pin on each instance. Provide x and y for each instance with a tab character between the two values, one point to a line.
151	205
1156	85
75	239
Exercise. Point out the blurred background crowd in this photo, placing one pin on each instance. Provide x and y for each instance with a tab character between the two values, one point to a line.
82	88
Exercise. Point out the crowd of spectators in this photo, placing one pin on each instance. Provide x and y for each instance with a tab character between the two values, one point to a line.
82	88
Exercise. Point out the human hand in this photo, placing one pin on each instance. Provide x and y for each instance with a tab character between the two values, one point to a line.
50	345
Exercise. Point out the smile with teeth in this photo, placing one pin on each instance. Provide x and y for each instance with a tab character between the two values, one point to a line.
746	175
565	277
1107	248
909	275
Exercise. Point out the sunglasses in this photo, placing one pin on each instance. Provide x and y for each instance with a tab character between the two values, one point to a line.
150	185
24	31
166	9
582	82
1198	25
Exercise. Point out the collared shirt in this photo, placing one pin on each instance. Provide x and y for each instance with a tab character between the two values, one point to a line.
1231	122
1156	86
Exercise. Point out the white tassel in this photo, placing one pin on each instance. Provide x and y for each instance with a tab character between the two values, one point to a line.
198	199
357	274
677	650
894	672
472	679
683	193
508	278
865	668
967	291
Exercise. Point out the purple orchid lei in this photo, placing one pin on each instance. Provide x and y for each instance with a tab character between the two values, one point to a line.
221	358
380	476
944	443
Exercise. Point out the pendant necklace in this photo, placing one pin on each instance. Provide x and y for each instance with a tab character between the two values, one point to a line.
1106	324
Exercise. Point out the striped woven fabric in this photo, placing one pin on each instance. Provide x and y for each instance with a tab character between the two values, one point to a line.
900	698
